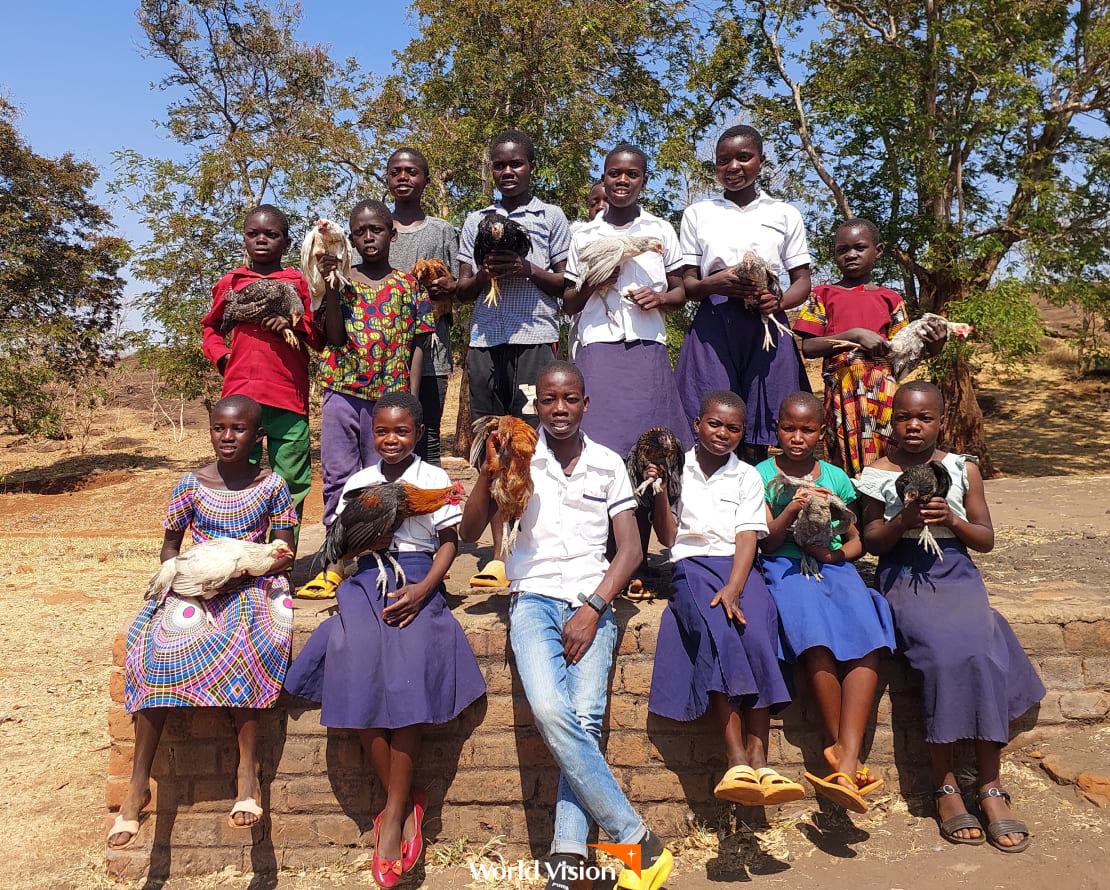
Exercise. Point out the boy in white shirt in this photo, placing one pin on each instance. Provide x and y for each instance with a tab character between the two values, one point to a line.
562	628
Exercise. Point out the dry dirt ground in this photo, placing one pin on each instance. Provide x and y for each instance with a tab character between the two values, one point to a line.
81	533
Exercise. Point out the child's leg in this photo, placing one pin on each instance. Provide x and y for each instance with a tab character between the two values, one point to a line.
287	442
246	728
943	770
988	757
401	751
728	719
823	674
149	723
757	727
858	694
339	446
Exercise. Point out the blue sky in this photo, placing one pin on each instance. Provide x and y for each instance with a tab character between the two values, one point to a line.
77	74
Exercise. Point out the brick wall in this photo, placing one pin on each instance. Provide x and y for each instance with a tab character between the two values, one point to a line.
320	797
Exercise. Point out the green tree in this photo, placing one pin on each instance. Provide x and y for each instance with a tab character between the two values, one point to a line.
961	126
261	117
60	287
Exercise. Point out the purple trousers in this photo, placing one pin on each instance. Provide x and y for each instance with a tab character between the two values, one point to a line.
346	443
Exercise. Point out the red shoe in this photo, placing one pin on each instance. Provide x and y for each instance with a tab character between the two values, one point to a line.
411	850
386	872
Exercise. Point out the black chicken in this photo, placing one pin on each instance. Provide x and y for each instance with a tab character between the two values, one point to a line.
661	447
497	232
920	484
377	511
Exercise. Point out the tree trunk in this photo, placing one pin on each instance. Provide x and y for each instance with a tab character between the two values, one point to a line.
464	422
963	419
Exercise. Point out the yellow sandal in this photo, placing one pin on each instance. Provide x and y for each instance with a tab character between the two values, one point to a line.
322	587
492	577
778	789
741	785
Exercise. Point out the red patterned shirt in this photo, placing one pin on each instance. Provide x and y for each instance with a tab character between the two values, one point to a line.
381	325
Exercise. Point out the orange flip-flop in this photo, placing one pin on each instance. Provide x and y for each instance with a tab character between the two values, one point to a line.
841	795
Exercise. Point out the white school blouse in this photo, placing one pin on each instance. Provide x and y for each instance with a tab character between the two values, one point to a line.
560	549
630	322
418	532
713	510
716	233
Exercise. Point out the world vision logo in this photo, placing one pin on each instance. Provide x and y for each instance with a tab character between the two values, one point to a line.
629	854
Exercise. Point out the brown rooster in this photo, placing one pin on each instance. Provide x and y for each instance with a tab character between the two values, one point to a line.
427	271
508	444
376	512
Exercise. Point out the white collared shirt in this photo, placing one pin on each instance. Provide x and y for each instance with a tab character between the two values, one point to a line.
560	549
629	321
418	533
716	233
713	511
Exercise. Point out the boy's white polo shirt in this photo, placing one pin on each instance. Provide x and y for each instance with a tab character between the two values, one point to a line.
418	532
713	510
625	321
716	233
560	549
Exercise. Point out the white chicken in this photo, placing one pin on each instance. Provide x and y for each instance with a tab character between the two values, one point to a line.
600	259
325	237
205	569
907	347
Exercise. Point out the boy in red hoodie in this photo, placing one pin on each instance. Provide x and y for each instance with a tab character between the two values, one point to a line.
260	363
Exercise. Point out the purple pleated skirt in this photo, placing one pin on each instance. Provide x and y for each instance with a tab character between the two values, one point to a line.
977	678
367	674
724	350
700	651
632	388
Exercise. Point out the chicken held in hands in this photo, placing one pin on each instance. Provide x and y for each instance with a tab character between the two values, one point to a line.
660	447
602	259
506	445
908	348
262	299
326	237
752	268
499	233
918	485
823	517
427	271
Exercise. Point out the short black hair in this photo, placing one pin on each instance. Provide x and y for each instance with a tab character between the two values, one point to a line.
515	137
402	400
858	222
271	209
421	161
725	398
923	386
743	130
628	148
378	208
560	367
240	402
804	400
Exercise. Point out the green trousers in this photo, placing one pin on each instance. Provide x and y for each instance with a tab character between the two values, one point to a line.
288	447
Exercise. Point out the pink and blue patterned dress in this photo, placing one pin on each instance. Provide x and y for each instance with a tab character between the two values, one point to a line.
176	656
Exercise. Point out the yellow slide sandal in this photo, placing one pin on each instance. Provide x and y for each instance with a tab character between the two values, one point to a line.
322	587
492	577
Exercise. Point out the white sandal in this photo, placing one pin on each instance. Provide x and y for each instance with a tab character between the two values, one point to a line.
123	826
250	805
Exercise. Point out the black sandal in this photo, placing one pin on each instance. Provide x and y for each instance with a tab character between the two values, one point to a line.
1001	827
949	827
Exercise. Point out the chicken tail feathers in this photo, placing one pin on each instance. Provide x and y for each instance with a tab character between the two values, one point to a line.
162	582
482	427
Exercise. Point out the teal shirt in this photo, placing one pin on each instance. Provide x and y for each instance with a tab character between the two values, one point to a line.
830	477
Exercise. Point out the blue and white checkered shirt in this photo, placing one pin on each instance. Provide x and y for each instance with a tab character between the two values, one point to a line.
524	313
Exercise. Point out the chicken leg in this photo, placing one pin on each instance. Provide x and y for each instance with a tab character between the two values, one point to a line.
768	341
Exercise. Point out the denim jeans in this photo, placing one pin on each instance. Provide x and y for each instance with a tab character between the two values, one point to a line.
568	703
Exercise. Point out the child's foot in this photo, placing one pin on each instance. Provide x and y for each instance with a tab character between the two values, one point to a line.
840	764
390	835
248	788
955	821
138	796
1003	830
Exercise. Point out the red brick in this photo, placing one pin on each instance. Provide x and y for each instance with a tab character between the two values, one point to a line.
305	722
198	758
627	748
1061	671
672	748
1040	639
211	723
299	756
121	725
489	786
669	820
303	794
648	785
525	823
213	795
116	686
628	644
647	638
477	824
499	679
120	758
636	676
627	712
1087	637
1096	671
1085	705
504	711
197	830
115	792
119	650
324	856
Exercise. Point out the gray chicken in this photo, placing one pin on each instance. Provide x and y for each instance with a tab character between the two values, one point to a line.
262	299
752	268
918	485
823	517
907	347
599	259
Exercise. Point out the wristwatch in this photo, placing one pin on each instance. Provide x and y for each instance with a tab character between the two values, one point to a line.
594	601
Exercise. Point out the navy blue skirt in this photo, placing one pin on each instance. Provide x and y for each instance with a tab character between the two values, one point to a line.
367	674
724	350
700	651
838	612
976	676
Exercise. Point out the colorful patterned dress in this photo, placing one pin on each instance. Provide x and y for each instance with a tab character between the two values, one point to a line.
176	656
859	391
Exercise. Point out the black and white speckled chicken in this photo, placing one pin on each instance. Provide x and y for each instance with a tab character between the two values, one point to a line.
601	258
497	232
752	268
919	485
661	447
823	517
262	299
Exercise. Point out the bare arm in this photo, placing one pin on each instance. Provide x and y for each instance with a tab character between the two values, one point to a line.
662	516
778	527
879	535
478	511
726	283
821	347
471	284
416	368
977	531
171	544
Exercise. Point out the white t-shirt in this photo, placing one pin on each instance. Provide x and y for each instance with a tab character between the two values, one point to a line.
417	532
716	233
712	511
629	321
560	548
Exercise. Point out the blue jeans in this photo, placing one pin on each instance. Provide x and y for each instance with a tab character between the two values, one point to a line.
568	703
